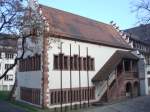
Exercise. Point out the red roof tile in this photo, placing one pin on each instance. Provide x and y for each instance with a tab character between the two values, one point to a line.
76	27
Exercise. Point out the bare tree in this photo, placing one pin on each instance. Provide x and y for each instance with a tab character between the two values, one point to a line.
12	16
142	9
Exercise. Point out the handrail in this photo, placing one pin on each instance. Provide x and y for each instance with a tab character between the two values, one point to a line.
104	85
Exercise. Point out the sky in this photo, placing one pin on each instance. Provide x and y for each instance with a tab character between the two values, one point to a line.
119	11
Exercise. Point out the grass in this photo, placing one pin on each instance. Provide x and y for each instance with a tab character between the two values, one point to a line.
4	97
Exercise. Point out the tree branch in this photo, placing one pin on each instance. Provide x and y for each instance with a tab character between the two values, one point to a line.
17	59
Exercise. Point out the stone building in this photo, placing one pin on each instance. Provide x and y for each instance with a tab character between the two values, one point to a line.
8	52
139	37
77	60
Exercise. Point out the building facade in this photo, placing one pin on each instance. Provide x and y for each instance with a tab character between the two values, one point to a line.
7	56
77	60
140	39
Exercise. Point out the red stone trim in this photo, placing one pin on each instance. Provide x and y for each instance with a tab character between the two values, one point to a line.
55	95
45	72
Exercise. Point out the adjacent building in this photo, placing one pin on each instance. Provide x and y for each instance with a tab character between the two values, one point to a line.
8	52
77	60
139	39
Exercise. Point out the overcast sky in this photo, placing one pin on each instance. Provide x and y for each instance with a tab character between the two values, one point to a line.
101	10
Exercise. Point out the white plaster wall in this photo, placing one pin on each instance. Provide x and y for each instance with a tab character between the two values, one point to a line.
30	79
100	53
4	61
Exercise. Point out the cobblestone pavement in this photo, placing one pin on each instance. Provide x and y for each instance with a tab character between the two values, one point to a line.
140	104
6	107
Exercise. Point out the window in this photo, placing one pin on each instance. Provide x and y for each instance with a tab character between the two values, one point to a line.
71	63
31	95
30	64
61	60
80	63
89	63
148	81
66	63
84	63
5	88
92	64
8	78
9	55
8	66
127	65
75	95
74	62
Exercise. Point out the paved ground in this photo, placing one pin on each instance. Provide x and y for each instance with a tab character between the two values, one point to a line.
140	104
6	107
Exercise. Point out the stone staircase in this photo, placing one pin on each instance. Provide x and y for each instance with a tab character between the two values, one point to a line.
102	90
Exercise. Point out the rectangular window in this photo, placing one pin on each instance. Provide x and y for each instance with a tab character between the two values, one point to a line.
84	63
71	63
61	61
55	95
80	63
92	64
9	55
89	63
148	81
66	63
8	66
76	62
31	95
30	64
8	78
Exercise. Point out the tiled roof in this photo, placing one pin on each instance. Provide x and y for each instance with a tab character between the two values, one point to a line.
112	63
140	33
72	26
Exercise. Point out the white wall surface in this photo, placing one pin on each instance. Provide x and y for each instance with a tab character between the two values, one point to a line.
101	54
29	79
3	61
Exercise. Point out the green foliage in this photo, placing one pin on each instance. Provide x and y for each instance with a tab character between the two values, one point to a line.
4	95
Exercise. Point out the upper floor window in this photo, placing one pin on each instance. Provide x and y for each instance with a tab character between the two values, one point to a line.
56	62
8	66
9	55
30	64
66	62
74	62
0	55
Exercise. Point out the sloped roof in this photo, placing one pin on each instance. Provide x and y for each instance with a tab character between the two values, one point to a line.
140	33
112	63
72	26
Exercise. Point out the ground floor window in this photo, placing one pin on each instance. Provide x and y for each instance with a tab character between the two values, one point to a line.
31	95
148	81
5	88
71	95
